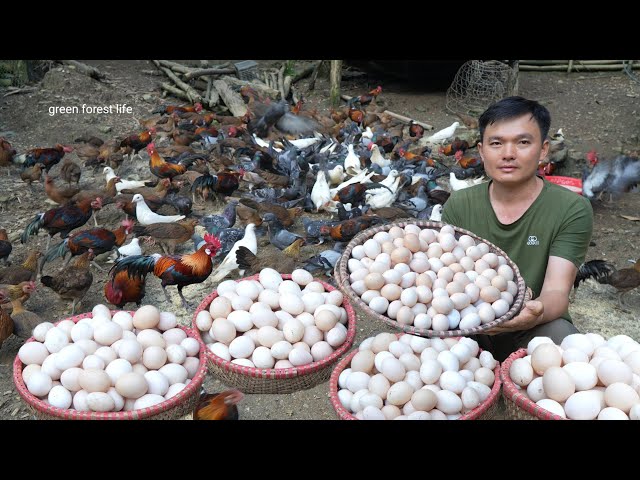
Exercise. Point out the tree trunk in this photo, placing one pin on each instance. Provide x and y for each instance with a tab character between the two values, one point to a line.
336	76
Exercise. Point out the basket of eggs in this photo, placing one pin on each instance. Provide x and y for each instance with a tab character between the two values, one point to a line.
111	365
274	333
584	378
430	279
407	377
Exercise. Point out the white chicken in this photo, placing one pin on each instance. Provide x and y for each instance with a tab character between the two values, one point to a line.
436	213
442	135
123	184
320	195
146	216
230	262
336	175
381	197
362	177
131	248
352	162
460	184
378	158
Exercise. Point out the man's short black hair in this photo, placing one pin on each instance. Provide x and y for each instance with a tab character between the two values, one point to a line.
514	107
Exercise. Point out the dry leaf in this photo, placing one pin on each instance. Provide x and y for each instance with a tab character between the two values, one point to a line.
629	217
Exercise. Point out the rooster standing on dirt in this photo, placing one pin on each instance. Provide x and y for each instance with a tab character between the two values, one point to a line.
624	280
218	406
179	270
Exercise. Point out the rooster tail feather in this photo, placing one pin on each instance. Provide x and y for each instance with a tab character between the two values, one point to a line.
60	250
135	265
32	228
244	258
599	270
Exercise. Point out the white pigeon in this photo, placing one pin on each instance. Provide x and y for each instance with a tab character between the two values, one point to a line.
146	217
362	177
352	162
131	248
378	158
436	213
123	184
320	195
230	262
337	175
442	135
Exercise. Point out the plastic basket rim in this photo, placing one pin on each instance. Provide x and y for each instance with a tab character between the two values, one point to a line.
514	395
342	279
139	414
278	373
344	414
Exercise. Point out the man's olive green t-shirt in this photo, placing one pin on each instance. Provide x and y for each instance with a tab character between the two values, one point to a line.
559	222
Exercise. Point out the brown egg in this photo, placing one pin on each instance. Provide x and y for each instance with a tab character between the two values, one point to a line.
400	255
544	356
499	282
489	294
412	242
374	281
398	242
387	247
405	316
435	250
446	273
454	287
424	279
456	268
392	292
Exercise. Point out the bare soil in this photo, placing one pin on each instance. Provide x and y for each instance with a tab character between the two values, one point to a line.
595	110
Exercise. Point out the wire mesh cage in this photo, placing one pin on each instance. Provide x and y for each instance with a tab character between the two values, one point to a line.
478	84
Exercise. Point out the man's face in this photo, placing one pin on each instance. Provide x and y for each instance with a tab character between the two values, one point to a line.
511	150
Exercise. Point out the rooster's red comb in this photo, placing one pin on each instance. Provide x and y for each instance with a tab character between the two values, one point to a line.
212	240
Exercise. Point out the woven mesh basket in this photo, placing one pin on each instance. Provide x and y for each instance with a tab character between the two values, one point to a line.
342	279
176	407
518	406
272	380
487	410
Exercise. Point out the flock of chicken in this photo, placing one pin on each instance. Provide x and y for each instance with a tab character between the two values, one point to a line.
358	166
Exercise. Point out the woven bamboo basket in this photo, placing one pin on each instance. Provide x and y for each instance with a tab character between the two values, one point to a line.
517	405
487	410
272	380
178	406
342	279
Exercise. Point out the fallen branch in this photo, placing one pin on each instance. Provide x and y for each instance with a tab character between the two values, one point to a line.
192	94
85	69
208	71
177	67
402	118
174	90
231	99
20	90
257	85
286	86
294	94
151	72
281	81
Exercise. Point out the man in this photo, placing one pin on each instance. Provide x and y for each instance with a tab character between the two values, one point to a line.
544	228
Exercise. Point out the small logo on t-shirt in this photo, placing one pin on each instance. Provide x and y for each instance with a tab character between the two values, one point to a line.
533	240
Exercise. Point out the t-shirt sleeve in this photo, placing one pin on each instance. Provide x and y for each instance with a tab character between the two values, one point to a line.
572	241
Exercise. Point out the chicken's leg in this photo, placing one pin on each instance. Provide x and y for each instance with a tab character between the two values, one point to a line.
73	307
166	294
185	304
621	303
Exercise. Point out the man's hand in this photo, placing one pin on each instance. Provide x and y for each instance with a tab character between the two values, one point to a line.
529	317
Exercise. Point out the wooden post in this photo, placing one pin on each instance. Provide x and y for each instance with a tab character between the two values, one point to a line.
336	76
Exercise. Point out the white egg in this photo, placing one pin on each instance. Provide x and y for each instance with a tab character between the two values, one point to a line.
552	406
175	373
101	310
124	319
299	357
33	353
40	331
93	361
147	316
583	405
39	384
157	383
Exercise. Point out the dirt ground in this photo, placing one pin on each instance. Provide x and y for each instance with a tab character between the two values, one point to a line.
595	110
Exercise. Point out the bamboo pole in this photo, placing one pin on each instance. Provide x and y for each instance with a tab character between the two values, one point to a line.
564	62
336	76
576	68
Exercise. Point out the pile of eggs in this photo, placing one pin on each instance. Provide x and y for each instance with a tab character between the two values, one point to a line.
273	323
110	363
416	378
585	378
430	279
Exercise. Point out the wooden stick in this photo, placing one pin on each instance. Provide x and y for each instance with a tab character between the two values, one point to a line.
578	67
85	69
230	98
208	71
177	67
174	90
192	94
281	81
564	62
314	75
294	94
336	76
402	118
20	90
257	85
151	72
304	73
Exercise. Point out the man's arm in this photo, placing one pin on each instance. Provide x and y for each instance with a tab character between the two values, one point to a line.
552	302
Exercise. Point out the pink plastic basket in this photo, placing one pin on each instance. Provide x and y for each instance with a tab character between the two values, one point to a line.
176	407
272	380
